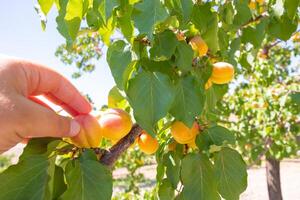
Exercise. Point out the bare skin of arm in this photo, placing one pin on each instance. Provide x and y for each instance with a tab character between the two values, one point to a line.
22	118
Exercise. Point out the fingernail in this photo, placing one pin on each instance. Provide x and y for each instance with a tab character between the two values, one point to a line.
74	128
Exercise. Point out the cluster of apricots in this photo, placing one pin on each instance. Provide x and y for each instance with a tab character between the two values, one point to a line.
222	72
112	124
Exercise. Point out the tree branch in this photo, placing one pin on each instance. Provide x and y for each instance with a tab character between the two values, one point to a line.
111	156
256	19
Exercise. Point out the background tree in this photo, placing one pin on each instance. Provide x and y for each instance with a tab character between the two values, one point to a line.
264	111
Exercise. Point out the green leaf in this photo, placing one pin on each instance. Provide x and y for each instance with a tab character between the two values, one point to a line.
223	40
119	58
184	56
295	97
198	178
124	20
26	180
115	96
147	14
182	9
216	135
87	179
282	28
150	95
61	23
189	100
172	163
46	5
291	7
158	66
164	45
214	94
38	146
255	35
160	171
94	19
109	7
165	190
108	30
74	14
227	13
206	22
243	14
59	186
231	172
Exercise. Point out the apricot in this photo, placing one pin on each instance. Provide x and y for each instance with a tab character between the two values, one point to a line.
90	134
252	5
192	144
115	124
222	73
147	143
208	84
183	134
199	45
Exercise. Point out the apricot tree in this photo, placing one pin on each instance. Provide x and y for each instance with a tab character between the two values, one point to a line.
171	61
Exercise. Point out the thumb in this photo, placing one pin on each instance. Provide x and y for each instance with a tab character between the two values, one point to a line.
43	122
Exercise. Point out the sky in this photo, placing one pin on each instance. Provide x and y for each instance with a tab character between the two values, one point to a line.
21	35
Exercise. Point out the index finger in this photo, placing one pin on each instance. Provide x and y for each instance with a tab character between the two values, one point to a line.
44	81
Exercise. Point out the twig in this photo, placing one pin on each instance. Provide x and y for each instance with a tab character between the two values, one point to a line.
111	156
256	19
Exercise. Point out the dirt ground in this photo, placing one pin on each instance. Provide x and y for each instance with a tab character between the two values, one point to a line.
257	186
290	182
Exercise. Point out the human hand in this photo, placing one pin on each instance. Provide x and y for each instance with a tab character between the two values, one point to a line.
22	118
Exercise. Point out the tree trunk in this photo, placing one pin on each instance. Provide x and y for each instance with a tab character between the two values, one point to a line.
273	179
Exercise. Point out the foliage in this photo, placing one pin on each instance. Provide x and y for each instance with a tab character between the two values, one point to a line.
265	115
160	79
84	53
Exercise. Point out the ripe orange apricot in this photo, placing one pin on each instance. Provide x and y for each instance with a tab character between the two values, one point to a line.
90	134
199	45
192	144
115	124
183	134
147	143
252	4
222	73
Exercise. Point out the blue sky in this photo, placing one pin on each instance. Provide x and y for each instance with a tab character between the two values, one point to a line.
21	35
